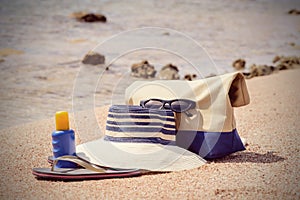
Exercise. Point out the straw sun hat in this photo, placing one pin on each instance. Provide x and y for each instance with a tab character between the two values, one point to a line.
140	138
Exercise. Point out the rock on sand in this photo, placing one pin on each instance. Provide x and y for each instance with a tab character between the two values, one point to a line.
169	72
143	70
93	58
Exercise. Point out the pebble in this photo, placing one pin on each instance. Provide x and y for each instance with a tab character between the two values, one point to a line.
169	72
259	70
239	64
143	70
89	17
93	58
281	63
190	77
276	58
294	12
286	62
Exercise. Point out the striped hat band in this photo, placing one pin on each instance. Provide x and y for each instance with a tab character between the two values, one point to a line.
141	125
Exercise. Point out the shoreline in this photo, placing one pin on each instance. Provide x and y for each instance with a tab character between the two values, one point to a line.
38	44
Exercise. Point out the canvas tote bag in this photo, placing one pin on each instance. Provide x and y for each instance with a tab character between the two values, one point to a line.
210	129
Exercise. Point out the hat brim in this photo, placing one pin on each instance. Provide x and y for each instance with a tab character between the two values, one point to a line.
148	156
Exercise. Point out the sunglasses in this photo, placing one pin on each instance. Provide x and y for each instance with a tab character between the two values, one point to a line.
176	105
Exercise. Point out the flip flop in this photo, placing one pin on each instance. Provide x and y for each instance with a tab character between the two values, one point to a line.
50	160
86	172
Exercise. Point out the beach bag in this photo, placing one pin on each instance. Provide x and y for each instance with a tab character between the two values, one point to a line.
209	129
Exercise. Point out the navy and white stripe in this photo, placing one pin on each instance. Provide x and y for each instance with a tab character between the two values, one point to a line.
136	124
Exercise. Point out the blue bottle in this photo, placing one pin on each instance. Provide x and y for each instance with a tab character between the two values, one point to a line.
63	140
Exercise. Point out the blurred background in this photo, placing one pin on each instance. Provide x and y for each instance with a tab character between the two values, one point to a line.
42	45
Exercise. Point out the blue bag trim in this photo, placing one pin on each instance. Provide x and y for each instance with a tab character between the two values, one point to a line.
210	145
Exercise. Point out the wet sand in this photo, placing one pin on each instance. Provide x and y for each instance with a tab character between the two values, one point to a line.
268	169
39	43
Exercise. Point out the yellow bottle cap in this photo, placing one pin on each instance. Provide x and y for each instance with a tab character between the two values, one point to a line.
62	120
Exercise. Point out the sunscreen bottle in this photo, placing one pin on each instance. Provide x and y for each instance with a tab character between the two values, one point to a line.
63	140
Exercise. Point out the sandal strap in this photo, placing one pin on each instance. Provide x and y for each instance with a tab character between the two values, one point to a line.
78	161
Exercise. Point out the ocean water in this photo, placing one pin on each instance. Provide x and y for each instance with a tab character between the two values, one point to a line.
202	37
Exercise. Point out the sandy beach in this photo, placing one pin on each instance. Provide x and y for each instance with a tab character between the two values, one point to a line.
268	169
41	48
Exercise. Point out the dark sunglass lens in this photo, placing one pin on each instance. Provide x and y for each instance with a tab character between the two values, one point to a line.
153	104
180	106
